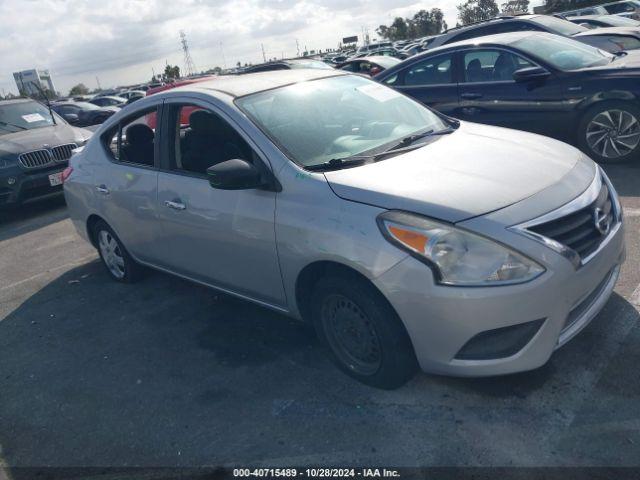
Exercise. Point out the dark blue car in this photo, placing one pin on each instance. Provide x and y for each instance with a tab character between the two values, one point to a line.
537	82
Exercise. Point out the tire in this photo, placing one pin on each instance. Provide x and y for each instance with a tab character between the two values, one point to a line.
610	132
115	258
372	344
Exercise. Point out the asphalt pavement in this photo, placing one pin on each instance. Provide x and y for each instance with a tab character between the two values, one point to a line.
169	373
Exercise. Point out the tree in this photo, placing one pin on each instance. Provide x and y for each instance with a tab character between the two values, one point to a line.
171	72
513	7
79	89
423	23
473	11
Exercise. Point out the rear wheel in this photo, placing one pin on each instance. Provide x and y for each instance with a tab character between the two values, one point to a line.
611	132
363	333
114	256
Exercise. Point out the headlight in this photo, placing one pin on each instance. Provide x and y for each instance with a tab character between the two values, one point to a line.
457	257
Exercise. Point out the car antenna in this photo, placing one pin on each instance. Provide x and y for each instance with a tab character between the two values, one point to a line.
46	99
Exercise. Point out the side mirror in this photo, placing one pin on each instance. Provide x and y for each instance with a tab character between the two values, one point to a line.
530	73
235	174
70	117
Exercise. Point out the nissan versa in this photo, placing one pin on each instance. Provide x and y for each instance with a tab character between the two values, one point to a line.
407	238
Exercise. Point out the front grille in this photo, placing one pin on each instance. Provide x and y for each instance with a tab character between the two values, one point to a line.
46	157
579	230
36	159
63	152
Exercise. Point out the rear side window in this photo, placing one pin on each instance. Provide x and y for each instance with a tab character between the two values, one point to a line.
433	71
133	141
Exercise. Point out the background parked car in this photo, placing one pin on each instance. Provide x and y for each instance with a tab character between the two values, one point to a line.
132	95
532	81
601	21
83	114
35	146
626	8
535	23
611	39
286	65
386	51
108	101
369	65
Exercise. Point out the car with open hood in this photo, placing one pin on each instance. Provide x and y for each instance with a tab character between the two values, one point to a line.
406	238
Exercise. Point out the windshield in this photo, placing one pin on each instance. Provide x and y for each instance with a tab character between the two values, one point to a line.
562	53
336	118
558	25
15	117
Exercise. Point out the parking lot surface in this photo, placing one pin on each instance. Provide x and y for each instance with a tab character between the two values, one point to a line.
168	373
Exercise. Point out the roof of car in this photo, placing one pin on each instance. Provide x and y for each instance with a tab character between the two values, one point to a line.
379	59
16	100
496	39
240	85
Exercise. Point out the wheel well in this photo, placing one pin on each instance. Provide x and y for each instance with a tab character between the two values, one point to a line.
91	222
313	272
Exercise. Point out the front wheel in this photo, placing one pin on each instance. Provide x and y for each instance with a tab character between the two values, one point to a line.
611	132
363	333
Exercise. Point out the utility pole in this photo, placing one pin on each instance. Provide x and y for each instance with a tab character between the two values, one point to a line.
297	48
264	57
153	73
189	66
98	82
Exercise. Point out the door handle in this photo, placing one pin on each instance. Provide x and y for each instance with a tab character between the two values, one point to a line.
102	189
176	205
471	96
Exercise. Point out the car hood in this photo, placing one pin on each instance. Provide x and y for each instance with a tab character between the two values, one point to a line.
37	138
475	170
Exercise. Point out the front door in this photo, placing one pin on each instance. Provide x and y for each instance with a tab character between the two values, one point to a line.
489	94
221	237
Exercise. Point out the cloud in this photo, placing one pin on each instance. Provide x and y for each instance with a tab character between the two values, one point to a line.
122	43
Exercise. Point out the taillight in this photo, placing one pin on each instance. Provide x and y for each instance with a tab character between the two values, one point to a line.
66	173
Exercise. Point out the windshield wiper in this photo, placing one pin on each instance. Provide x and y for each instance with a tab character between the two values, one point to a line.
13	125
409	140
338	163
405	145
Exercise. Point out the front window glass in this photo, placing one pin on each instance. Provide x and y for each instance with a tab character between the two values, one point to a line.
492	65
558	25
335	118
15	117
562	53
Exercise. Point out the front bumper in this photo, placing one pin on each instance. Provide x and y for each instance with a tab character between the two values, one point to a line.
441	320
28	186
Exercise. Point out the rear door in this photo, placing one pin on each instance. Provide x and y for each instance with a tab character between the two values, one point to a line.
431	81
489	94
126	184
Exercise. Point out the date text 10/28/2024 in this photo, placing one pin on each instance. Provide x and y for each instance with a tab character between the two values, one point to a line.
316	472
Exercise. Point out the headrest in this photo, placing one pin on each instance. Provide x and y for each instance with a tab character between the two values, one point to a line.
202	121
139	134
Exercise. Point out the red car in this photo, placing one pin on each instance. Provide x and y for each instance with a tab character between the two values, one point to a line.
184	120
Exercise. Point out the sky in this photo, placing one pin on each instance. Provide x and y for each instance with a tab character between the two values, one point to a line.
123	42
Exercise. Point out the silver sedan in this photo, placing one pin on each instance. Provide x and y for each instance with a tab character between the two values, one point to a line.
407	238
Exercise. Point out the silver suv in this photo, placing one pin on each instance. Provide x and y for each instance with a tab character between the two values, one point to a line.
407	238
